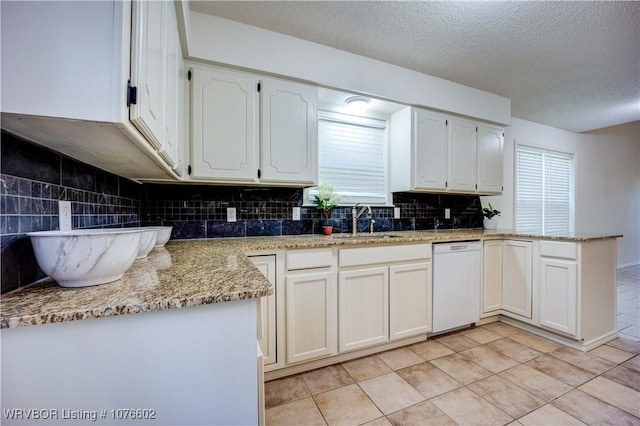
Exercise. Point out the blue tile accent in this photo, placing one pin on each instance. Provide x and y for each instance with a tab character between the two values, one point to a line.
220	229
297	227
262	228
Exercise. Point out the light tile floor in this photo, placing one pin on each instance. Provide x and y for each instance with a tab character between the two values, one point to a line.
490	375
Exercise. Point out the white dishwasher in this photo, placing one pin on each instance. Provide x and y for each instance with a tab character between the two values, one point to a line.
456	284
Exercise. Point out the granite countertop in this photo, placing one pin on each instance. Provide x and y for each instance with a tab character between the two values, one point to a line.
197	272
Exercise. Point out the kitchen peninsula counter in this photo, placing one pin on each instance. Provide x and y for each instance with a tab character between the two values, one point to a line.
198	272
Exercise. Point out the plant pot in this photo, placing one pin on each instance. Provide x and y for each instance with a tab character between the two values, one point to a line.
490	223
327	229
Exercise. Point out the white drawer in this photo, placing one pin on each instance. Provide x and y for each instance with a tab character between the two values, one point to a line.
384	254
309	258
559	249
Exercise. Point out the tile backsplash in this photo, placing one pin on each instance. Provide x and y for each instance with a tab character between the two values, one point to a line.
200	212
33	179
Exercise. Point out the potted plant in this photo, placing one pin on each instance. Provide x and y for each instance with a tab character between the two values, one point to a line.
325	200
489	213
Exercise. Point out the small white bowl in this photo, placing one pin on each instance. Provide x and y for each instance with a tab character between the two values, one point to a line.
148	238
85	257
164	233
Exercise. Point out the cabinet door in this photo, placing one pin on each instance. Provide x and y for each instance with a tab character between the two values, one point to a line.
462	155
558	295
363	308
490	146
289	121
174	91
492	276
430	150
517	276
223	125
148	66
311	316
409	300
267	310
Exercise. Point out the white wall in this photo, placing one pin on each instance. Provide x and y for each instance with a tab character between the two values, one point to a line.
233	44
607	179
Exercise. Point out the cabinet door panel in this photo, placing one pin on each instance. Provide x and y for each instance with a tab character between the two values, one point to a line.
149	56
462	155
311	316
558	295
490	146
492	276
363	308
174	90
289	132
430	150
517	277
223	132
267	310
409	300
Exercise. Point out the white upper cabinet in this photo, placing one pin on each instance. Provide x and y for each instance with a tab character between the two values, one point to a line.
289	132
430	150
223	125
252	130
490	158
65	79
148	60
462	155
174	94
433	152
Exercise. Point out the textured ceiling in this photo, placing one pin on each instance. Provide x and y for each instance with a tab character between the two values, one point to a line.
572	65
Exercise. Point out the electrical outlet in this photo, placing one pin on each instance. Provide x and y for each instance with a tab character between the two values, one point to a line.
295	213
231	214
396	212
447	213
64	215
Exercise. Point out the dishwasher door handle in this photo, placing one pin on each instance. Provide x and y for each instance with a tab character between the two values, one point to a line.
455	248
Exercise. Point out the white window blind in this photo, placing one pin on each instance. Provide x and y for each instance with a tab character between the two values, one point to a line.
544	191
352	157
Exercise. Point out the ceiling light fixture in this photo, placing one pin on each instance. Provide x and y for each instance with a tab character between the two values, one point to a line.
357	103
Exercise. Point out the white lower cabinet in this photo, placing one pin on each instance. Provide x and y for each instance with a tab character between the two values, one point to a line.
517	278
267	310
491	277
311	315
363	308
384	294
410	300
558	294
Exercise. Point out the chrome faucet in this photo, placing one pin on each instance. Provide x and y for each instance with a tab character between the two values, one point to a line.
355	214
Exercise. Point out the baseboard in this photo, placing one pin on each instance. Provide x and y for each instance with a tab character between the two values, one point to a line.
566	341
627	265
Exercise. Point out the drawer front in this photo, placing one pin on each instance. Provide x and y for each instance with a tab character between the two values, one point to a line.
559	249
309	258
385	254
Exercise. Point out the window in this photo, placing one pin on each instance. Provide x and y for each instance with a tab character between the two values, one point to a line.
544	191
352	156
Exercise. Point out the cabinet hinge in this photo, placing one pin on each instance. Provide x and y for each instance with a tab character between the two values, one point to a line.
259	173
503	134
446	184
446	123
476	186
189	170
132	94
189	75
476	129
259	87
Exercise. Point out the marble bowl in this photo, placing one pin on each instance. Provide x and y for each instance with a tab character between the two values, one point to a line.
164	233
85	257
148	238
